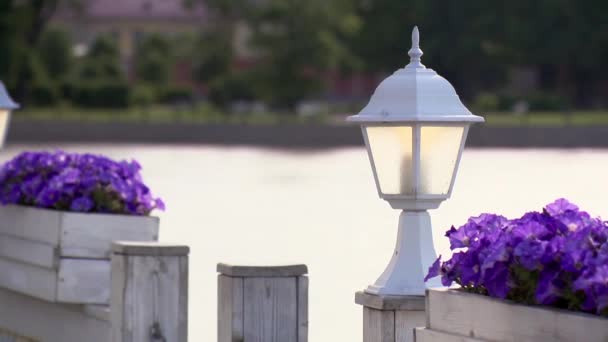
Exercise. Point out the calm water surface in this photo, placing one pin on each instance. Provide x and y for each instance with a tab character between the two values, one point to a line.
259	206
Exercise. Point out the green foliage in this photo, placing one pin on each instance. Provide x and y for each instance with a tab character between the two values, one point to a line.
486	102
176	94
298	41
102	94
546	102
212	56
153	60
231	88
55	50
99	81
143	95
43	93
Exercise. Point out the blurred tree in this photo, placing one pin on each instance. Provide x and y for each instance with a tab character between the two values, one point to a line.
154	60
22	23
99	80
55	50
212	56
101	62
297	41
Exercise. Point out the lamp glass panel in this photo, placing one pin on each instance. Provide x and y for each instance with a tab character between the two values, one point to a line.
4	119
391	149
439	149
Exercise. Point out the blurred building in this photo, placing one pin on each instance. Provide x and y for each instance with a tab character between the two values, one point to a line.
128	21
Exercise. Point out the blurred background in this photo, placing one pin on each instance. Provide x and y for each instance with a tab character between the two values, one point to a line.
266	61
212	96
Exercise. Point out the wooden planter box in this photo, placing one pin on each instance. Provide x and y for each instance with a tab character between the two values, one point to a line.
454	315
62	256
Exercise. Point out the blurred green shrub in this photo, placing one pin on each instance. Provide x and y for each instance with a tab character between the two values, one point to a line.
143	95
102	94
44	93
176	94
230	88
153	59
486	102
55	51
543	101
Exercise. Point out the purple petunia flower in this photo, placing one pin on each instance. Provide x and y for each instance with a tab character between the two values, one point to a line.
77	182
555	257
434	269
82	204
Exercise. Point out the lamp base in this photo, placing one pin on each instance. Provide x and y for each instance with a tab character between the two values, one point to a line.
414	253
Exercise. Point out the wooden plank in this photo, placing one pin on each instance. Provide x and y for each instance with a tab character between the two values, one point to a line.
150	248
29	252
383	302
91	235
230	309
427	335
302	309
40	225
262	271
149	290
84	281
50	322
481	317
270	309
98	311
28	279
378	325
405	322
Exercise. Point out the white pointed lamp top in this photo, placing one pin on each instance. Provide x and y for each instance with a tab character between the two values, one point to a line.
415	94
415	52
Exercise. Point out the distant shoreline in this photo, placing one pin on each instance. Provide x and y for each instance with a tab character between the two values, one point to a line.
311	136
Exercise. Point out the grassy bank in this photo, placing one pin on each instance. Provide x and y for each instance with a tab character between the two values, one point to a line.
207	114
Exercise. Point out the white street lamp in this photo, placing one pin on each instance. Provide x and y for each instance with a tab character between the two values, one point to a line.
414	128
6	106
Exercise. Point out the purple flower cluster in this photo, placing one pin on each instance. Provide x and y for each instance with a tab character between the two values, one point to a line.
76	182
556	257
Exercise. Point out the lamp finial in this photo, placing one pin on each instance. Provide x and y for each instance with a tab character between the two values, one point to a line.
415	53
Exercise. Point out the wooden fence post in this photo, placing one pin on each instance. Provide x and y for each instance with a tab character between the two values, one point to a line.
260	304
391	318
149	300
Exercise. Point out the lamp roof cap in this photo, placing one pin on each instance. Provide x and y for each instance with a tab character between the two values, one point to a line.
5	100
415	94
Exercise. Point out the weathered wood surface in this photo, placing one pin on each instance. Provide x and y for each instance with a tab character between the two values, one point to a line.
25	222
391	318
149	248
9	336
149	294
27	279
262	304
380	302
427	335
29	252
262	271
75	235
302	309
91	235
406	322
51	322
81	281
378	325
270	309
485	318
230	313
